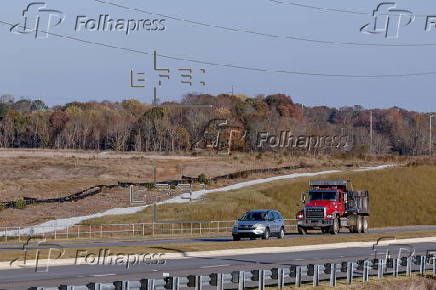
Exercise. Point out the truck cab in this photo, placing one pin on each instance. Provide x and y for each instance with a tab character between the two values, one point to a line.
330	205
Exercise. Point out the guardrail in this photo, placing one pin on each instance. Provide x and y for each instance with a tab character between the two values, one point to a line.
297	275
157	229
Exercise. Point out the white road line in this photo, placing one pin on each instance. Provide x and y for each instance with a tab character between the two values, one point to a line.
102	275
213	266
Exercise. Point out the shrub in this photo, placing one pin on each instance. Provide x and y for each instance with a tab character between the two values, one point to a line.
19	204
203	179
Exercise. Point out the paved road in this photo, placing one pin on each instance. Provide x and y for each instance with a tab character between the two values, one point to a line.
220	238
80	275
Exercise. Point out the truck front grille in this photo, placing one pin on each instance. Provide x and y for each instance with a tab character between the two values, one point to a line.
315	212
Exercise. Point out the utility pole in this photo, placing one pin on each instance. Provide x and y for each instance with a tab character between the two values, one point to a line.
371	132
431	139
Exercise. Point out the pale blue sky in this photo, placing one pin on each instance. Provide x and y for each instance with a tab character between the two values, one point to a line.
60	70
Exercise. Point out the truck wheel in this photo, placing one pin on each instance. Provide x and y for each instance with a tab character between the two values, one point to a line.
302	231
359	225
266	234
281	233
352	229
364	228
325	230
334	229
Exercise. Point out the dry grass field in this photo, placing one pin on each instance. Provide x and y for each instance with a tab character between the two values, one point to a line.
48	174
398	196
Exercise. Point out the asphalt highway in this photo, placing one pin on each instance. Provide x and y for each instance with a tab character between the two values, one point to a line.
83	274
221	238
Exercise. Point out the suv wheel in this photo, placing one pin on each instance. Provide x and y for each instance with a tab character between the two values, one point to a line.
236	238
281	233
266	234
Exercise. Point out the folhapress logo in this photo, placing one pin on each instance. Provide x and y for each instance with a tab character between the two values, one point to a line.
388	20
38	20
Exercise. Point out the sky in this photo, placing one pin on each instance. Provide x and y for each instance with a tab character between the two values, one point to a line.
317	56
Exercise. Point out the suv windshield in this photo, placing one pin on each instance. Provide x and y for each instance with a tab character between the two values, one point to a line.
322	195
255	216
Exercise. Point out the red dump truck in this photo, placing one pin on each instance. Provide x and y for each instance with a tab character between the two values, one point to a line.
330	205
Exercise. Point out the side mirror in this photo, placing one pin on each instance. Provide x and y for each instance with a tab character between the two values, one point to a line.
303	197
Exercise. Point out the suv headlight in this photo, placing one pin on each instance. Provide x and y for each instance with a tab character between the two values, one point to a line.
259	227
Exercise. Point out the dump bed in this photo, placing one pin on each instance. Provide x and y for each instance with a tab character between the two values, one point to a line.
358	202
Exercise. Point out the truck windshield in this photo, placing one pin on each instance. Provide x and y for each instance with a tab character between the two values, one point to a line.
254	216
322	195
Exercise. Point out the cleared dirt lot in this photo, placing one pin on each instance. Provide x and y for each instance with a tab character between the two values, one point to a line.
47	174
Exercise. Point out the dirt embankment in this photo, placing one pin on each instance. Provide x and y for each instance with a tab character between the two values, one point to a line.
47	174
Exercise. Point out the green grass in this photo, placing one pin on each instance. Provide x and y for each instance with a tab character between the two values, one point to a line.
398	196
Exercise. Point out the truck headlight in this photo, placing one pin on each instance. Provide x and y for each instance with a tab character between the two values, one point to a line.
329	216
300	216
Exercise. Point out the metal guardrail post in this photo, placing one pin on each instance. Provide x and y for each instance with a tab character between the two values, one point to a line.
434	265
151	284
220	280
19	234
144	284
262	280
380	269
90	231
409	267
396	267
316	275
281	278
365	271
333	275
200	228
241	284
176	283
101	231
198	283
350	272
422	265
298	276
152	229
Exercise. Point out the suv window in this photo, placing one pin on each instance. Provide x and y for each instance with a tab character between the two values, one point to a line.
279	216
271	215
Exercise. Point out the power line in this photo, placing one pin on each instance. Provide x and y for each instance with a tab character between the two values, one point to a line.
325	9
261	34
247	68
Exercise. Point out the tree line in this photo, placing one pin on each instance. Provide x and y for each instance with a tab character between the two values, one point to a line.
130	125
